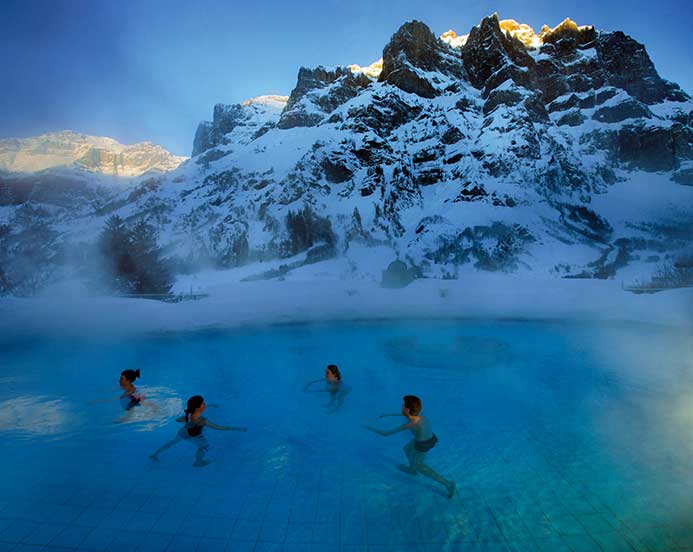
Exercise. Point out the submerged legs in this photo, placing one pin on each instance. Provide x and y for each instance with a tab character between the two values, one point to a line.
409	453
202	447
417	465
200	442
162	448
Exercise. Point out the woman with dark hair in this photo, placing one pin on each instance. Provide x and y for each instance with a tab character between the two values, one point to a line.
130	397
192	430
332	385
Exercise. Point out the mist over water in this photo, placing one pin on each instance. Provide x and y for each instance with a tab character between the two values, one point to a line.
540	423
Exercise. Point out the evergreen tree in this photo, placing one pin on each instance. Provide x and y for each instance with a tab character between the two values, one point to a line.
114	247
5	284
134	263
152	274
6	194
305	229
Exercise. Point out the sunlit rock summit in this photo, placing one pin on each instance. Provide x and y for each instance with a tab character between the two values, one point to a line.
561	152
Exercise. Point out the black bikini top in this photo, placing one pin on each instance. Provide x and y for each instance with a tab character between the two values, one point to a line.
194	429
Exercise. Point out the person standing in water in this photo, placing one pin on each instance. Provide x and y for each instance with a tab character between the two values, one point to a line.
332	385
424	440
192	431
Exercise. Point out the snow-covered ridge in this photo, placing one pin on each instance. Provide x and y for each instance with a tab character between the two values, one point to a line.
373	70
270	100
94	154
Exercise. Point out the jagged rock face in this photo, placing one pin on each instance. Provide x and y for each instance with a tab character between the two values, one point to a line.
255	116
413	42
481	152
568	33
319	92
414	51
225	119
628	66
488	52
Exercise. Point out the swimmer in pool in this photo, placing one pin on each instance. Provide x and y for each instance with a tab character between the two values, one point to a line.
424	440
333	385
130	397
192	431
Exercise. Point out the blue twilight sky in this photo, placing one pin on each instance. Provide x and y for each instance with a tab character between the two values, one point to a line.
139	70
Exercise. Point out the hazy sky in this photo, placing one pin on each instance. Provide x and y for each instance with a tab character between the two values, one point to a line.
152	70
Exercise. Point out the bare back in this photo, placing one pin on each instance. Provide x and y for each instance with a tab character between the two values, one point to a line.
422	429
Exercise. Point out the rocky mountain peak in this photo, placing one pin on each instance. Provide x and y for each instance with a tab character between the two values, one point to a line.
628	66
272	101
255	115
413	42
318	92
569	30
413	53
488	49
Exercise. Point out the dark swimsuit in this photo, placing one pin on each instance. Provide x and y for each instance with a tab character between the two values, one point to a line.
428	444
134	398
193	429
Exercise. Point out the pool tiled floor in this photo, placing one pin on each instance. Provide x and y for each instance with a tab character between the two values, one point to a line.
549	454
291	512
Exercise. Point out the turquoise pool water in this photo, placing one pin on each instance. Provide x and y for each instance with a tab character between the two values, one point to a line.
560	436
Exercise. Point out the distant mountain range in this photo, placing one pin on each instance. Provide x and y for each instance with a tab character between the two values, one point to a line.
561	152
92	154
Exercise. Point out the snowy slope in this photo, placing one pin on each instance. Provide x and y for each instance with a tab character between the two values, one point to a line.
560	153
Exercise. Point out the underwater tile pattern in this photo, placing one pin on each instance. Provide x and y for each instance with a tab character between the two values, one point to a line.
554	452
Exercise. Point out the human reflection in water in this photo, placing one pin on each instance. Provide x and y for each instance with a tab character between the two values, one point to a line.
332	384
424	440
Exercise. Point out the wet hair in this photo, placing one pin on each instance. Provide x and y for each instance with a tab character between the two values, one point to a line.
130	375
335	371
194	403
413	403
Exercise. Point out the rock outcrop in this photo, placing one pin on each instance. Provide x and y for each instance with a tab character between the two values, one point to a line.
254	116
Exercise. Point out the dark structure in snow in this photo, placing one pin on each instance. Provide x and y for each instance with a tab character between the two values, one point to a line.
397	275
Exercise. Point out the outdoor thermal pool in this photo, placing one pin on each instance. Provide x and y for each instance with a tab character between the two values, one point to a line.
560	436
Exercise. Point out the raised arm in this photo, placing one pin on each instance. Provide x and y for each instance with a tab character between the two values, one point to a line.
223	428
307	385
387	432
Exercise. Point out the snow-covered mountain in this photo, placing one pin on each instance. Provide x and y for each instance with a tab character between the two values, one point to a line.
92	154
560	152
